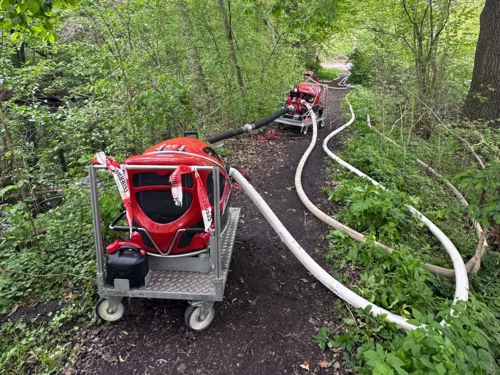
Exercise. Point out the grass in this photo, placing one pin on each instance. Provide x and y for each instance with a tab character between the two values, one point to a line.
328	74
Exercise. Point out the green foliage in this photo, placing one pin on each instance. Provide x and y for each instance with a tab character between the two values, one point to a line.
46	343
361	69
33	16
394	281
371	207
483	187
327	74
42	254
383	212
461	346
469	342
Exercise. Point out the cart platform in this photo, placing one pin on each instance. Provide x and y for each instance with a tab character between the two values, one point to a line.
171	284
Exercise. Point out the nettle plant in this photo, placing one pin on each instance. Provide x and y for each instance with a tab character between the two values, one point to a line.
459	346
483	188
370	207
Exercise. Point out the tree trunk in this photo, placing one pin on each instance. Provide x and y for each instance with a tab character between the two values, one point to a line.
483	100
270	28
199	89
232	45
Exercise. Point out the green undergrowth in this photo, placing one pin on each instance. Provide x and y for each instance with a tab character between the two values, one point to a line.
383	212
328	74
469	343
48	259
48	342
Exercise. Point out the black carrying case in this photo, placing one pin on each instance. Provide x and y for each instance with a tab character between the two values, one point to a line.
129	263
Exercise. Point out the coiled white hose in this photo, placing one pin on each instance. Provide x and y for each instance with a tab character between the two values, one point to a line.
474	263
461	279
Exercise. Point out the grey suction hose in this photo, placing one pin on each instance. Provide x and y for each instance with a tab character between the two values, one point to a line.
314	268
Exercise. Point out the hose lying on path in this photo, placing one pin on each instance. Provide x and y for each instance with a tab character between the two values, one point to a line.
323	276
314	268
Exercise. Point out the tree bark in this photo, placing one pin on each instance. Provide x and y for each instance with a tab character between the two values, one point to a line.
232	45
483	100
199	88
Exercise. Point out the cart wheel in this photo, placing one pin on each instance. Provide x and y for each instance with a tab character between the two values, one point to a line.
104	314
192	318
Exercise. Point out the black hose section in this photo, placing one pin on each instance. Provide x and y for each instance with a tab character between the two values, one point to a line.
274	116
224	135
245	129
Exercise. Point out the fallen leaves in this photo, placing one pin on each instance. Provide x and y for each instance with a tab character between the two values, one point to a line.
14	309
324	364
68	294
305	366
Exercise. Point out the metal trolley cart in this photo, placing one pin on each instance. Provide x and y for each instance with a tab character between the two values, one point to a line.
199	277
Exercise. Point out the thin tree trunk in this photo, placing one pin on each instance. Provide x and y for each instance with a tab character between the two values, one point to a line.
230	39
270	28
483	100
199	88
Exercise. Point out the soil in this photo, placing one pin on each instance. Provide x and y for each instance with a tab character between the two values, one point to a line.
272	305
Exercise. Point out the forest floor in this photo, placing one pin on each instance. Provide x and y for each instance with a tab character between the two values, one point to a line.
272	305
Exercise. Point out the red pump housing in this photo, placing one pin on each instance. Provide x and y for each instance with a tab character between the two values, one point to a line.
309	92
174	229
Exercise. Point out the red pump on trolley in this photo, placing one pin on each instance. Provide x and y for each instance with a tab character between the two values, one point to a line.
180	226
315	94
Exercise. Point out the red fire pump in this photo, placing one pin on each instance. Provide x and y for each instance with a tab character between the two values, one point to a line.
174	225
181	229
315	94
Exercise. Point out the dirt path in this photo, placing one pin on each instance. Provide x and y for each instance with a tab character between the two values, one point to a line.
272	306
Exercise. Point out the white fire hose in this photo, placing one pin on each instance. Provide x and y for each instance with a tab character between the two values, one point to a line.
314	268
461	287
461	279
471	266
